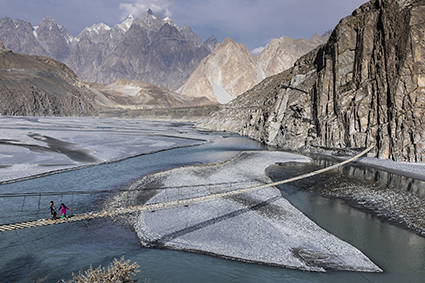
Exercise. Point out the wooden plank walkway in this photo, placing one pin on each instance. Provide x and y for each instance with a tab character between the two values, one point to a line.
167	204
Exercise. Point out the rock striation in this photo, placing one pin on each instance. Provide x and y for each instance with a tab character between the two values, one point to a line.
365	86
231	69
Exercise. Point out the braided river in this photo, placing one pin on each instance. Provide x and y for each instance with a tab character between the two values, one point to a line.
55	252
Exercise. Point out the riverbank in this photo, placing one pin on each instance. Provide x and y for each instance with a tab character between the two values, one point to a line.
389	190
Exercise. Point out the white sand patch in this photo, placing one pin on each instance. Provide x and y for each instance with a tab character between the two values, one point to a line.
35	145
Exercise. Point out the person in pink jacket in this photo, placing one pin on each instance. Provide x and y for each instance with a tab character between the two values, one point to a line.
62	210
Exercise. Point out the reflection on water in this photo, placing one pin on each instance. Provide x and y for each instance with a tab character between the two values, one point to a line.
392	197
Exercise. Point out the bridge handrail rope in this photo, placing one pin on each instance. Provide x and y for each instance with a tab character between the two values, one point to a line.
172	203
13	195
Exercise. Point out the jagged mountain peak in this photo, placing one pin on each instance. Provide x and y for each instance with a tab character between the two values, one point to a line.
94	31
169	21
225	73
126	24
211	43
100	27
48	21
190	36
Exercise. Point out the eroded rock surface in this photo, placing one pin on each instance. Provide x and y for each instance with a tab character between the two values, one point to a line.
365	86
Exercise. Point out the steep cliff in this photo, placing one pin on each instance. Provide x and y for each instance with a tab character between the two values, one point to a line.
365	86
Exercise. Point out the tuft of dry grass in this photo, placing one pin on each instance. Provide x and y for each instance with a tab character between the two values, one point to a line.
119	271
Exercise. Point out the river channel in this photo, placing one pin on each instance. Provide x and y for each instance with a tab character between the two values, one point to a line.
57	251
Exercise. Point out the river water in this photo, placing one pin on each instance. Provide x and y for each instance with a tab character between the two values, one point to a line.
59	250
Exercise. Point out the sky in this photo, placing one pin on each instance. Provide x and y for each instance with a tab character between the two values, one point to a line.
251	22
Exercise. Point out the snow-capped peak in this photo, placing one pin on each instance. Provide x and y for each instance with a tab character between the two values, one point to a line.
34	31
98	28
125	25
170	22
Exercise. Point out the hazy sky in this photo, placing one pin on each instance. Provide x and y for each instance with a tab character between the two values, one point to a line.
251	22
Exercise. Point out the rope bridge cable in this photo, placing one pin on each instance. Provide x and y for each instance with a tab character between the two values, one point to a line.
172	203
81	192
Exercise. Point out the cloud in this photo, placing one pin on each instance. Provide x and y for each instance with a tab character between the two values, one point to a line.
137	7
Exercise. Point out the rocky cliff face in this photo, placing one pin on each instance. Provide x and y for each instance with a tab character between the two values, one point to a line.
41	86
365	86
230	69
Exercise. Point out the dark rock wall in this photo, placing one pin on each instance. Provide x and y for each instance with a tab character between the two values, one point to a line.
365	86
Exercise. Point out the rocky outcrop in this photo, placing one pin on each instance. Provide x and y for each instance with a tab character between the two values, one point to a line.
3	48
41	86
230	69
365	86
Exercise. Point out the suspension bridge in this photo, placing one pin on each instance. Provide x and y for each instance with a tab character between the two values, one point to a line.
165	204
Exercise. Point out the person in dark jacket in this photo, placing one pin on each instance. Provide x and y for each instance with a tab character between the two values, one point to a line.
52	210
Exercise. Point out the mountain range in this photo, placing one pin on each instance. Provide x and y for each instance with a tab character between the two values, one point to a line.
158	52
33	85
149	49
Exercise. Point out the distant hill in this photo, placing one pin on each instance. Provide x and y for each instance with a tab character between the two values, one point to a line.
130	95
41	86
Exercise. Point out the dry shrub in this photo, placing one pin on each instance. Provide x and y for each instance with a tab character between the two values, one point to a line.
119	271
